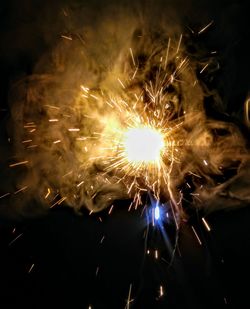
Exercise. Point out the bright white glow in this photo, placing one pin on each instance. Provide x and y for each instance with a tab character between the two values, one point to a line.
143	144
157	212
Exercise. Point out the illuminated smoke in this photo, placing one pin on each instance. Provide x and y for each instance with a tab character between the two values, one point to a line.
62	114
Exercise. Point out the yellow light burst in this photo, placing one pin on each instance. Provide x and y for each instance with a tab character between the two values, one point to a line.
143	145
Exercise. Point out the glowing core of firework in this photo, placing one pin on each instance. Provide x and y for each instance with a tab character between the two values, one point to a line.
143	145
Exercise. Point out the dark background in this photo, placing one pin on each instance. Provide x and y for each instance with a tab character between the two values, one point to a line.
65	248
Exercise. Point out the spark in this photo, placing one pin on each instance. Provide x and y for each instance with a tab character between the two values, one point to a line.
20	190
205	162
204	68
206	27
179	44
129	300
247	113
121	83
132	56
101	241
30	269
80	183
110	210
15	239
27	141
66	37
206	224
59	202
196	235
48	193
156	254
18	163
97	271
161	291
73	130
4	195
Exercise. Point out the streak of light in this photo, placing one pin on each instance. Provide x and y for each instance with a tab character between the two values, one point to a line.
73	130
94	97
156	254
4	195
206	224
132	56
48	193
67	174
179	44
206	27
32	146
18	163
205	162
20	190
247	113
59	202
121	83
80	183
161	291
101	241
31	267
204	68
97	271
15	239
129	300
66	37
196	235
194	174
110	210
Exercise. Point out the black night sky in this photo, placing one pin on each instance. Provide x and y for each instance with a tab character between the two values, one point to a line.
65	260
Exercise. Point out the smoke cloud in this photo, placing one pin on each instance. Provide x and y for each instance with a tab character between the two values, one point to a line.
54	111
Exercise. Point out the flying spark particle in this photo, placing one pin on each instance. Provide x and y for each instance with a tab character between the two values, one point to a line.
156	254
97	271
30	269
196	235
132	56
20	190
205	162
4	195
206	224
161	291
110	210
121	83
101	241
15	239
73	130
48	193
206	27
66	37
204	68
18	163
